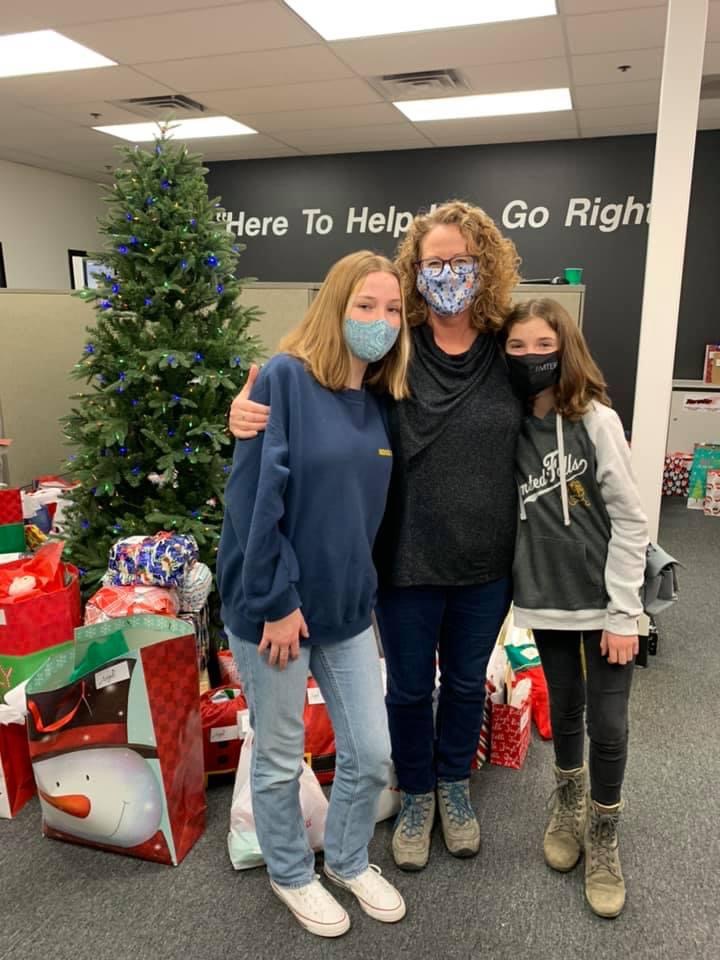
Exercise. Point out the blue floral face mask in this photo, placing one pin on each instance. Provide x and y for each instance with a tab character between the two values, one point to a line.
370	341
447	293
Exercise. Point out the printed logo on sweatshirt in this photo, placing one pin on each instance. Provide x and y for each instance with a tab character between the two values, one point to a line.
384	453
578	494
549	479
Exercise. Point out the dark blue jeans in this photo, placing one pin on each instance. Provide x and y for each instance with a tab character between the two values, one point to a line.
459	625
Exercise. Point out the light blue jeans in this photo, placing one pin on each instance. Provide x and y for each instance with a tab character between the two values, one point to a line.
348	674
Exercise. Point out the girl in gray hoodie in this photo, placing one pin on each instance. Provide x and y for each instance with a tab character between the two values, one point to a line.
579	564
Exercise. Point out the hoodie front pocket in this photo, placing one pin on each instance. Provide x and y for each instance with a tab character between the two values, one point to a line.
555	574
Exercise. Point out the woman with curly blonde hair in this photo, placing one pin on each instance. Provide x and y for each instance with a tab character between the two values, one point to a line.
445	548
444	553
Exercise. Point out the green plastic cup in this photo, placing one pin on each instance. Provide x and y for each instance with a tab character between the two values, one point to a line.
573	274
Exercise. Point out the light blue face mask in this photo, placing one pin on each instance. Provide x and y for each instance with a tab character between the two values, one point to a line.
370	341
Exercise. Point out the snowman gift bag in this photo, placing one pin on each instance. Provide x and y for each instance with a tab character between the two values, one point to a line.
116	739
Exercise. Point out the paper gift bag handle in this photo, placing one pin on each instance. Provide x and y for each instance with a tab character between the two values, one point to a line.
57	724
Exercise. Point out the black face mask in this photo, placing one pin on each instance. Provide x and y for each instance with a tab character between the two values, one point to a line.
534	372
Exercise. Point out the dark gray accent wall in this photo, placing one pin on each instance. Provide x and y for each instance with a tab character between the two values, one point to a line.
586	198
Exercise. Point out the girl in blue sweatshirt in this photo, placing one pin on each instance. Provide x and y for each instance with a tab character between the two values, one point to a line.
297	582
579	564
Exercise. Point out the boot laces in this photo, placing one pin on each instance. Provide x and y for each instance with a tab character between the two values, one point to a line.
564	802
603	844
414	813
456	798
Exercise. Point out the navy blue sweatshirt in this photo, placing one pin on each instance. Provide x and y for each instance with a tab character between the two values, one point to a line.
302	507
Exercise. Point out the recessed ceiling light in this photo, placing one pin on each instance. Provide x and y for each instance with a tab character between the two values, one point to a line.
375	18
45	51
199	128
487	105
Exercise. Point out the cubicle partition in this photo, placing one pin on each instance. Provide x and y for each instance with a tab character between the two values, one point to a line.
42	335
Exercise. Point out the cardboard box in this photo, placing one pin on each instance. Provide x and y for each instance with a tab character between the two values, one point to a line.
712	351
715	369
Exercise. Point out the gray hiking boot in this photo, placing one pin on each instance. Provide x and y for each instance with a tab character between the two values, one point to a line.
604	883
461	830
413	828
565	833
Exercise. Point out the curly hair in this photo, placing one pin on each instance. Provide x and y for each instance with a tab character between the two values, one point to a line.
498	260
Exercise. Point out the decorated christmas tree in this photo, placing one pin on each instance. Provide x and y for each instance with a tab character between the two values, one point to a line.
169	350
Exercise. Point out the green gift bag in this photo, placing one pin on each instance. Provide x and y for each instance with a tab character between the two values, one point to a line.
116	739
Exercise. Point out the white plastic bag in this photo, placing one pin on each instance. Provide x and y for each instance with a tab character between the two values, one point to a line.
242	841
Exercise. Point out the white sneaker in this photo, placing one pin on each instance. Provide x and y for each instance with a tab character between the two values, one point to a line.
378	898
314	908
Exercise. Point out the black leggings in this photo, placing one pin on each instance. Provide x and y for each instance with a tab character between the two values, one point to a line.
607	690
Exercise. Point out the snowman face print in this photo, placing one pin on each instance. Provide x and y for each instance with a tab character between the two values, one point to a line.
106	795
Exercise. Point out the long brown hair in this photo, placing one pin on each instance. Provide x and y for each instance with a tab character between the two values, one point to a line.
319	342
581	380
497	258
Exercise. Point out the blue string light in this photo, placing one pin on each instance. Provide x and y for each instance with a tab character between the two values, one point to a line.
122	249
148	301
116	288
219	288
89	348
135	471
199	357
212	261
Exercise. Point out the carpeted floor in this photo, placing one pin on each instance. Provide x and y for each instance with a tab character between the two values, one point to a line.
60	902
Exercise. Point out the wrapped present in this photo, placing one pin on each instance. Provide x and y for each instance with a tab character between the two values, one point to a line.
16	779
116	740
229	673
711	506
676	474
161	560
111	602
11	507
510	727
225	723
195	588
39	610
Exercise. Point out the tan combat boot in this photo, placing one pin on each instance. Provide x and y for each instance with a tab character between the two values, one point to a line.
565	832
604	883
413	830
461	830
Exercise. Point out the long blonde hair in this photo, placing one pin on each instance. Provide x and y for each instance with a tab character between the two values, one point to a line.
497	258
581	380
319	341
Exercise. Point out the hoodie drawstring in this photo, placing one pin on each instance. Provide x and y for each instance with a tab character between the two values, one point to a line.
563	469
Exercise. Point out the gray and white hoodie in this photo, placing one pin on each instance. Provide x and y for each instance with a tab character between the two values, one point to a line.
580	550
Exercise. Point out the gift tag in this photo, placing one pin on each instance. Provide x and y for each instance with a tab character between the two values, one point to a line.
243	723
221	734
115	673
314	695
